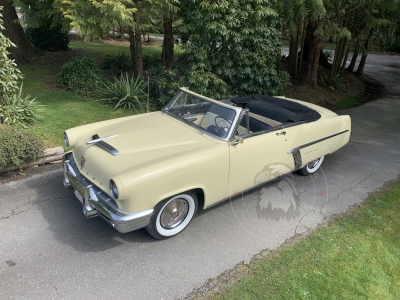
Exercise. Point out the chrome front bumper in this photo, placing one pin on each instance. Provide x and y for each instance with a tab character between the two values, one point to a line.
97	203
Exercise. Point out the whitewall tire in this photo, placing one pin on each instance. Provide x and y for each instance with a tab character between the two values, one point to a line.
311	167
172	215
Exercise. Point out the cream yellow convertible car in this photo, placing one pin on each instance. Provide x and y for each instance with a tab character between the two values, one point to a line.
154	170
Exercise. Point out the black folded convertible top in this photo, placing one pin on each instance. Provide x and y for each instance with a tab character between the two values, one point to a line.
277	109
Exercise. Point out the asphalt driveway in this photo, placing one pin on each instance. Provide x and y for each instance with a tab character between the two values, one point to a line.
48	250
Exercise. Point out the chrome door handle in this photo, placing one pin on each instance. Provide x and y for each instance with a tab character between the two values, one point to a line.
281	133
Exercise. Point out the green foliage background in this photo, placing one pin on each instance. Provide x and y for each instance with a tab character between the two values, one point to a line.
232	47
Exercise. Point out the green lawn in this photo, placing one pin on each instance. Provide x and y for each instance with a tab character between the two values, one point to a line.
104	49
357	256
63	109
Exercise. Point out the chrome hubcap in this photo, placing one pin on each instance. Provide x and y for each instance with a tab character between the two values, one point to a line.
174	213
312	164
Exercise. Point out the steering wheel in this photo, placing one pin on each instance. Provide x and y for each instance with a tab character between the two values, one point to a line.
221	123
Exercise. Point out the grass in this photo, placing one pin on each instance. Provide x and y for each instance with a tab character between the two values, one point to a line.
357	256
104	49
347	103
63	109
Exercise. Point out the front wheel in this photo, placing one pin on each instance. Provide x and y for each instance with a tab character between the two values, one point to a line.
311	167
172	216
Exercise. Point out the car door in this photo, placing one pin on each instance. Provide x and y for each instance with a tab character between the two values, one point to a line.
259	158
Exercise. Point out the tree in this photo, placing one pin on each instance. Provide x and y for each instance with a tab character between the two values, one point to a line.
135	42
9	74
95	18
46	26
232	47
349	24
25	51
167	12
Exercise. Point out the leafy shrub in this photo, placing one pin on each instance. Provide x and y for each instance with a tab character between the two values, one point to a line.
391	44
224	60
124	92
18	145
19	110
48	38
117	63
80	75
150	60
164	84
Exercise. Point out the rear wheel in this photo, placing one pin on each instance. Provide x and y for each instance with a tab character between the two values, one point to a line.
172	216
311	167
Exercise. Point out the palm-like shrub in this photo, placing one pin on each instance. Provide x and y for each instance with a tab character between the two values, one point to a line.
20	110
125	92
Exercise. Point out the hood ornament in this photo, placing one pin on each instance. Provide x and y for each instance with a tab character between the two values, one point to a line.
98	141
96	138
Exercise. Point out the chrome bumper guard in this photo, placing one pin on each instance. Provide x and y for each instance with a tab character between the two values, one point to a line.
97	203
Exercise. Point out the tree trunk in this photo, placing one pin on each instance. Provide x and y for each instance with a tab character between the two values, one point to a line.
338	57
317	52
303	38
361	65
278	64
25	52
292	55
308	52
345	57
167	54
360	68
314	45
135	44
298	34
350	68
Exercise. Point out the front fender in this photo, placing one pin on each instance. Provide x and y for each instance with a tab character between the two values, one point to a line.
206	168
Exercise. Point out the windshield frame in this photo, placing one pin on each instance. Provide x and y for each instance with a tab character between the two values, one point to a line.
236	110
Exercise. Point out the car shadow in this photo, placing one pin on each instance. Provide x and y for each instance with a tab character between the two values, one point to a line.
63	214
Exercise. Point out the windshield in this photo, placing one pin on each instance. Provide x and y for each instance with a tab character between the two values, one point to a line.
205	115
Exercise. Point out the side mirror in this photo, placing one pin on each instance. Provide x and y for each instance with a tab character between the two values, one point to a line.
237	140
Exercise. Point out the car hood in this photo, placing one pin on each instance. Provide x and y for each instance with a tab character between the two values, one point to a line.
139	139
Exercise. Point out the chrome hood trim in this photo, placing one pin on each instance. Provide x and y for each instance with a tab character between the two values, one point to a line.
98	141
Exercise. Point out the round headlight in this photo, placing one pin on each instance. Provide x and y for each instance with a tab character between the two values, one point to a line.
113	189
66	141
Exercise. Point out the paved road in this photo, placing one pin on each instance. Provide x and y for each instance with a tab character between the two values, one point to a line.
48	250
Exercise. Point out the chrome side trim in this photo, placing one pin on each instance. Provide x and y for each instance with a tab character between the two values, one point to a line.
98	203
316	141
297	159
